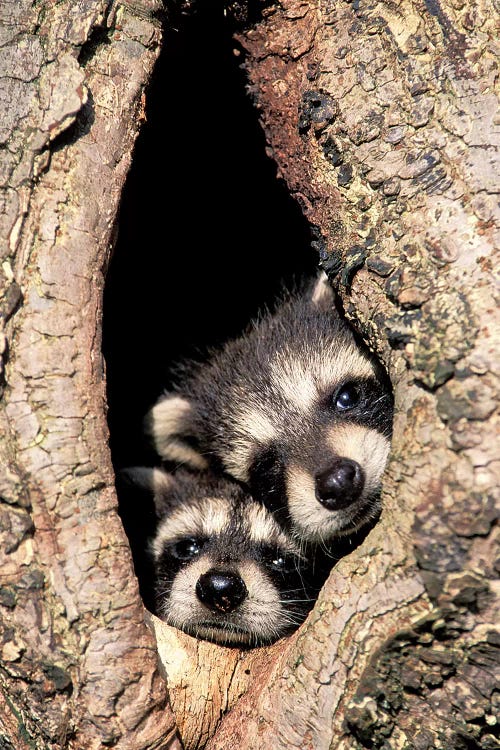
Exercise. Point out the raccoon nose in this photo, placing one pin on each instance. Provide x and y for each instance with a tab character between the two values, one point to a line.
221	591
340	485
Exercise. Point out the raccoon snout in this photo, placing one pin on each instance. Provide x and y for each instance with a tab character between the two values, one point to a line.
221	591
340	485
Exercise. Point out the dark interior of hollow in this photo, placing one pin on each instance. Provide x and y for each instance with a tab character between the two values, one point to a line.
207	234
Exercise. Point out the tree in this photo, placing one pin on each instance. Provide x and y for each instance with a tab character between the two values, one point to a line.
78	664
381	119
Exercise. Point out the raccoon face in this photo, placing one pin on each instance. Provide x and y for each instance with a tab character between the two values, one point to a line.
329	471
298	411
225	571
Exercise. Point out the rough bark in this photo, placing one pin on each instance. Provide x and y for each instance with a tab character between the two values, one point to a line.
79	665
381	118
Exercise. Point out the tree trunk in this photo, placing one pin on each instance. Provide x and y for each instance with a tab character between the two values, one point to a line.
381	119
79	665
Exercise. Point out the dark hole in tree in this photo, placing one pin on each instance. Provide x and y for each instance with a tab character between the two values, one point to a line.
207	235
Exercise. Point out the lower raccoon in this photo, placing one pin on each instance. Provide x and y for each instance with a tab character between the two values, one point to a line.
296	408
224	570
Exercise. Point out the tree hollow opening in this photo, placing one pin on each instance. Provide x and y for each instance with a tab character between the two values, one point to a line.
207	235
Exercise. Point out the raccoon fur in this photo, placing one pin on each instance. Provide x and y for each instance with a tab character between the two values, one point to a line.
296	409
224	569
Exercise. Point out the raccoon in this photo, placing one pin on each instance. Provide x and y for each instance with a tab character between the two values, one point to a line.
224	569
296	409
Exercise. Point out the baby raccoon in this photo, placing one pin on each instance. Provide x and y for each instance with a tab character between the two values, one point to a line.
296	409
225	571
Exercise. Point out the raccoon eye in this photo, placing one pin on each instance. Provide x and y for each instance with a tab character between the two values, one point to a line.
280	561
347	397
186	549
285	563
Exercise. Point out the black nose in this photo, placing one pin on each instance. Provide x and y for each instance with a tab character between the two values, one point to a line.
221	591
340	485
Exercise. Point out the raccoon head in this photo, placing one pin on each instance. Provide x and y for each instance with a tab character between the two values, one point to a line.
298	410
225	570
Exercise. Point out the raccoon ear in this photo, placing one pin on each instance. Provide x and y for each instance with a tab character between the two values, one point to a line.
150	479
170	425
322	294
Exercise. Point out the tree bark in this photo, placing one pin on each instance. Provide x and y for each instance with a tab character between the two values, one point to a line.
79	665
381	119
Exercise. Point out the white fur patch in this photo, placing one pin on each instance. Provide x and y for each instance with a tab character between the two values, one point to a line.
166	422
237	460
262	611
295	381
263	528
183	605
322	291
255	428
257	424
204	518
303	380
312	520
183	454
148	478
364	445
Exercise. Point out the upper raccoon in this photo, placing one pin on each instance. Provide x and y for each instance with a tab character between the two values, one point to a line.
225	570
296	409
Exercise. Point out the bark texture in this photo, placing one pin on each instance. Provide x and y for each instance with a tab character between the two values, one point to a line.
78	663
382	119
